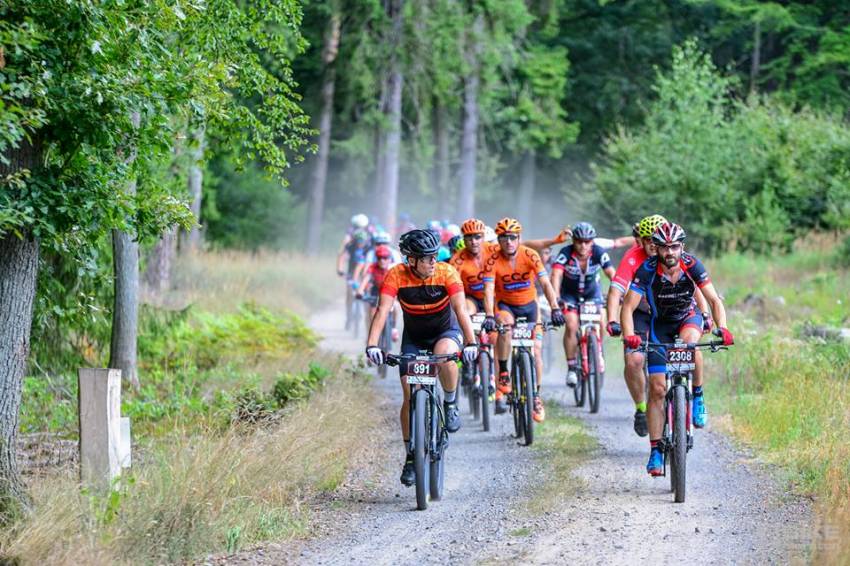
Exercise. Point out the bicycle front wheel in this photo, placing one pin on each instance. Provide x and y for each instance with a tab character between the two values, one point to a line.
485	370
580	390
527	396
594	378
438	456
680	443
420	448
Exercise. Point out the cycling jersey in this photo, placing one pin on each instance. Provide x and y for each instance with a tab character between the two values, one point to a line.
424	302
356	256
378	276
631	262
514	280
578	283
669	301
470	269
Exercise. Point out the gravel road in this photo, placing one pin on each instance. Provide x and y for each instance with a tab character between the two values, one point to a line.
735	512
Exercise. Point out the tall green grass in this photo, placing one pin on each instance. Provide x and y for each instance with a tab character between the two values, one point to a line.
788	396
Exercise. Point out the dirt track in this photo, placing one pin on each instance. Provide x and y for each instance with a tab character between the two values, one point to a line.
735	512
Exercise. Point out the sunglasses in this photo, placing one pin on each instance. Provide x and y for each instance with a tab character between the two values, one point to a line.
473	237
580	241
509	237
671	247
428	258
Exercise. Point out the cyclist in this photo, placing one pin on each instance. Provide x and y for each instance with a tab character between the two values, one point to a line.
632	260
634	359
431	298
373	279
509	275
350	260
669	281
575	274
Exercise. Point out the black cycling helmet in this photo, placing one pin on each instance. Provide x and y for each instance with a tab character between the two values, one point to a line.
418	243
584	231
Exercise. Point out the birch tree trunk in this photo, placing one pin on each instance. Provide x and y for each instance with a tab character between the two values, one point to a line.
526	186
18	275
193	240
393	136
125	309
441	164
469	137
320	171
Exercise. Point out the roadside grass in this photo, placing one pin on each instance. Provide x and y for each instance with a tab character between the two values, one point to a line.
218	281
239	421
563	443
787	396
198	493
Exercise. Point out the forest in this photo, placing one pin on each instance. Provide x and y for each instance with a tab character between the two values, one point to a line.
135	133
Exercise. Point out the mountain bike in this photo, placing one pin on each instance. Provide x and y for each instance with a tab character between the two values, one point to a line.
385	340
428	435
523	376
591	376
677	436
355	309
481	374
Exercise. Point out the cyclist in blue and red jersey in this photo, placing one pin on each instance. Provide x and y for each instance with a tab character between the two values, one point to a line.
575	274
669	282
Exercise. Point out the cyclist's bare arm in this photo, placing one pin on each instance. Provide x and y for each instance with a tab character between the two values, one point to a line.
557	277
718	311
623	242
364	281
359	269
385	304
702	303
630	303
458	301
489	298
549	291
609	273
539	245
614	296
342	255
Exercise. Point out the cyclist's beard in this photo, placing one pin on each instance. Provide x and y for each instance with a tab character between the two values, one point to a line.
670	260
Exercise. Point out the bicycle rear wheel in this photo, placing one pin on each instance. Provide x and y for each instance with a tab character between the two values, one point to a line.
485	371
519	425
438	457
420	448
680	443
527	397
594	378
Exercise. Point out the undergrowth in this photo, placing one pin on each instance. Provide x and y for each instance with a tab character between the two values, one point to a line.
788	396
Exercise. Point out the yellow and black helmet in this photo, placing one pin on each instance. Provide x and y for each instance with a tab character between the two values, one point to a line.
646	227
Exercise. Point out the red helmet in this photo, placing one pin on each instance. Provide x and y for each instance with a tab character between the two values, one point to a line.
383	252
668	233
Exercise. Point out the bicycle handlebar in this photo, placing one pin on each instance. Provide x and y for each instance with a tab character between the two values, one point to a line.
714	345
396	359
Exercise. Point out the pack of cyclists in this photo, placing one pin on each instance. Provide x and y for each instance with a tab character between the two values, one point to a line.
442	274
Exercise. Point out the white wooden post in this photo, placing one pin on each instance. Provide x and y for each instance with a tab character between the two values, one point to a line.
100	425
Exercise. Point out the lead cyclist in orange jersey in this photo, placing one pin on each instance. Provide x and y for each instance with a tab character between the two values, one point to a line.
509	276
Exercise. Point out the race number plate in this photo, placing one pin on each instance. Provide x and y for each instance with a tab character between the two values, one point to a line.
477	321
523	335
421	372
590	312
681	359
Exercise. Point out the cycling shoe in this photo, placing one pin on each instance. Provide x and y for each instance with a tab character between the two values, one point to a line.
452	417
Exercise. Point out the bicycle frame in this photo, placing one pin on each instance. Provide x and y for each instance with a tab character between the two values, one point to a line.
588	322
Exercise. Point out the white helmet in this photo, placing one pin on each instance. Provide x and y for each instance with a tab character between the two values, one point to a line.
359	221
453	229
489	234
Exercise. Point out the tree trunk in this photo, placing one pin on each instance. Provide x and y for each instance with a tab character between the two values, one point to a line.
193	239
442	171
18	275
393	135
320	171
125	310
160	261
469	137
755	64
526	186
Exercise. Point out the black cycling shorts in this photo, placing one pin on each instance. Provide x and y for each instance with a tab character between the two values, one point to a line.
409	346
571	302
527	311
666	331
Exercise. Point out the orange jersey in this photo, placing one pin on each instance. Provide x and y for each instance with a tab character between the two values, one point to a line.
514	277
424	302
471	268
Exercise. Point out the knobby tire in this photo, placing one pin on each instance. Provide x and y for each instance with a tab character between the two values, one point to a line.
484	382
438	458
527	397
420	448
594	385
680	443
